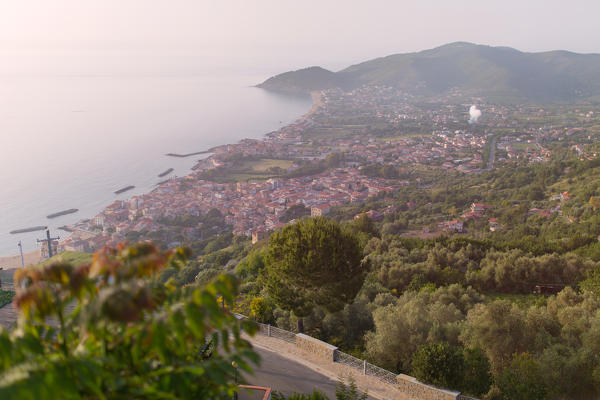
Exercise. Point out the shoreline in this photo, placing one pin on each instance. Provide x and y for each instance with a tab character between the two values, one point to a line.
317	97
15	260
317	103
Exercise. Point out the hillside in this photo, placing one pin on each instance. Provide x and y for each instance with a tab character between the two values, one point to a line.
302	81
499	73
72	257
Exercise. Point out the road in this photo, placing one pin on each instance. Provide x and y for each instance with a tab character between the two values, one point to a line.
492	157
286	376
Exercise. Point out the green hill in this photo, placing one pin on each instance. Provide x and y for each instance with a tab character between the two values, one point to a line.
72	257
498	73
302	81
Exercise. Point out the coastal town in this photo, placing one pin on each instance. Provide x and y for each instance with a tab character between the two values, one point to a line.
276	200
351	146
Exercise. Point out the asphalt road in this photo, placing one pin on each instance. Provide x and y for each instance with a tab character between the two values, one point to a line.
492	154
286	376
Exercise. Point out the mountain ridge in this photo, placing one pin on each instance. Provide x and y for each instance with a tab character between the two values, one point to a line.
475	70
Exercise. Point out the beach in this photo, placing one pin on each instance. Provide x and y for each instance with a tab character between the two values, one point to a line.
31	258
317	98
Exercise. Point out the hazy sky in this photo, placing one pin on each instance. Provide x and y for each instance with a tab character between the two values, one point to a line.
269	35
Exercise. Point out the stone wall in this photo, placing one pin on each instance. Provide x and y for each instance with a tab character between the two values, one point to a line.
406	384
415	389
322	349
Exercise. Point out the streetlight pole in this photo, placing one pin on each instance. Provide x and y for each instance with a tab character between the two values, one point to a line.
21	251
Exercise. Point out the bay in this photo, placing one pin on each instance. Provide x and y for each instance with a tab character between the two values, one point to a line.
71	141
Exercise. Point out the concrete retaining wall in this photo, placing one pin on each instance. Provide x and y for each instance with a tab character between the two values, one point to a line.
422	391
322	349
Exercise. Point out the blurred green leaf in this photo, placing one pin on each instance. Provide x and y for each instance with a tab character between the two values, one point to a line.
109	330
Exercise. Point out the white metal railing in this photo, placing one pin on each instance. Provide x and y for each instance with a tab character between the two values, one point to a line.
279	333
340	357
352	361
272	331
380	373
366	367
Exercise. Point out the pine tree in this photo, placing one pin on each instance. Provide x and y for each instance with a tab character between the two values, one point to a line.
313	262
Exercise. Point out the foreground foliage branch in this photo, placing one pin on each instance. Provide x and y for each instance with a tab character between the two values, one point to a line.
108	330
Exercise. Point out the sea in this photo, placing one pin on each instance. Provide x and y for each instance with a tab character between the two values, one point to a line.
71	141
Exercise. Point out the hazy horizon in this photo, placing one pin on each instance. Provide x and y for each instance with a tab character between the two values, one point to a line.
266	37
70	142
249	41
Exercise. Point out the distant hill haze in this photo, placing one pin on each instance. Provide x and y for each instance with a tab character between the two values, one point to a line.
500	74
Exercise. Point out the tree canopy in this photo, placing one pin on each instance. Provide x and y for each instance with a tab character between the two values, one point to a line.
313	262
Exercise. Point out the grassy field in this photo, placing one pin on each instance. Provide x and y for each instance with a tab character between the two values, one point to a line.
251	170
72	257
6	297
245	178
523	145
6	279
264	164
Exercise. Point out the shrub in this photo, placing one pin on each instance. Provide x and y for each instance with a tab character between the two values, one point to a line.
120	334
439	364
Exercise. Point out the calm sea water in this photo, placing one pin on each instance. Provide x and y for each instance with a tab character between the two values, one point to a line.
71	141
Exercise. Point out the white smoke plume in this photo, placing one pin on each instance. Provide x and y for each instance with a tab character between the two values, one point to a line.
474	114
